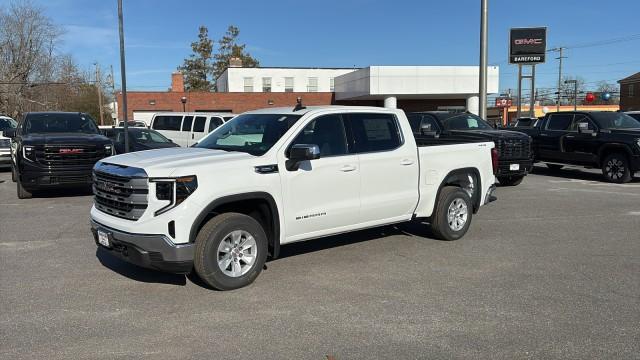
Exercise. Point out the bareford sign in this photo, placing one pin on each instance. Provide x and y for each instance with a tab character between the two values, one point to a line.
527	45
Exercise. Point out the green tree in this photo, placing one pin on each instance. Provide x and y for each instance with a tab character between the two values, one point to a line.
196	67
228	47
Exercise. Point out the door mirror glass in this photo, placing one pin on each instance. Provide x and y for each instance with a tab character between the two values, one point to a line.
302	152
9	133
583	128
427	129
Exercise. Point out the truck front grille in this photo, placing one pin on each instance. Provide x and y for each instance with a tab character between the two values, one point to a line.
69	155
514	149
121	196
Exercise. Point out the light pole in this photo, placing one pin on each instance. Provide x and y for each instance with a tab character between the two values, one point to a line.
183	100
99	88
124	79
482	91
575	92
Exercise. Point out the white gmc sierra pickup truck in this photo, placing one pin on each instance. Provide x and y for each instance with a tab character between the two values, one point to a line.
275	176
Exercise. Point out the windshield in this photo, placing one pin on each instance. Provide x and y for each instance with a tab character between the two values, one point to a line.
251	133
615	120
465	122
59	123
7	123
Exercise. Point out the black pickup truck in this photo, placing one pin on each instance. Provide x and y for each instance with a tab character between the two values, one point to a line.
596	139
515	157
55	149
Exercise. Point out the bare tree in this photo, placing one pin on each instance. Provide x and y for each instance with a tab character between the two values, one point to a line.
567	89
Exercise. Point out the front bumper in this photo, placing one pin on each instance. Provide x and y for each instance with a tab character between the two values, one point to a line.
507	168
147	250
35	177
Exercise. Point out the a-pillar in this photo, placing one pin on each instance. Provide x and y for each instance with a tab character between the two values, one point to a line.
473	104
391	102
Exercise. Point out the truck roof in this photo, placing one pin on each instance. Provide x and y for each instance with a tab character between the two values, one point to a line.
290	109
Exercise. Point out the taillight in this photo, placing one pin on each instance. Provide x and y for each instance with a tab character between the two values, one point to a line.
494	160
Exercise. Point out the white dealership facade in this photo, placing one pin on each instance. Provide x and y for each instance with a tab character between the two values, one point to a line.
412	88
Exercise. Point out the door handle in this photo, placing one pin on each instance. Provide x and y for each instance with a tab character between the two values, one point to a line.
544	135
406	162
192	136
569	136
347	168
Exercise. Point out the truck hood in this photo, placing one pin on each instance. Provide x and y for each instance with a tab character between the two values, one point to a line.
492	134
164	162
64	139
630	132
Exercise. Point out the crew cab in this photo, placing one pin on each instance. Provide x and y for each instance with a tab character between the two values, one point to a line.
515	158
55	149
600	139
275	176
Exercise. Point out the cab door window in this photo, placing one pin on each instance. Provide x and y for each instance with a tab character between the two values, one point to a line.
374	132
328	132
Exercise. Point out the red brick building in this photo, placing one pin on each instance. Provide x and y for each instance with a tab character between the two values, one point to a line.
630	92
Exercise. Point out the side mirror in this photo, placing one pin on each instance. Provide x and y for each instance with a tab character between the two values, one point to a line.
583	128
302	152
427	130
10	133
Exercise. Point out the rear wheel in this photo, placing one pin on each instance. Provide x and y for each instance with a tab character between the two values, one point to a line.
510	180
615	168
555	166
230	252
22	192
452	216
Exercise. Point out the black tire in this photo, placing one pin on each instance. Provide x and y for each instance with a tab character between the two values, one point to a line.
440	221
13	174
510	180
615	168
22	192
206	254
554	167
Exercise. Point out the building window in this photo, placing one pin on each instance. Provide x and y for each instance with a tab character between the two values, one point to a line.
631	93
248	84
312	85
288	84
266	84
331	84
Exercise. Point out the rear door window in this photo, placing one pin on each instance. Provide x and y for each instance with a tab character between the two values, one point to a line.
374	132
198	124
167	122
559	122
186	124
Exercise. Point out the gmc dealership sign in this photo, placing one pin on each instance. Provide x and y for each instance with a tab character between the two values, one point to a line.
527	45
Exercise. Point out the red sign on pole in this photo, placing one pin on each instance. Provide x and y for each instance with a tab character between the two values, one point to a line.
503	102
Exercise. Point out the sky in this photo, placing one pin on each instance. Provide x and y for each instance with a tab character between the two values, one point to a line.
350	33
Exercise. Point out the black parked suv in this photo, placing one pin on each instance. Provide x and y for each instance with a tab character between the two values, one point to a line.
55	149
600	139
515	158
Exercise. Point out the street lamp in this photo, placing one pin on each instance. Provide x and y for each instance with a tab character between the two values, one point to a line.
183	100
575	93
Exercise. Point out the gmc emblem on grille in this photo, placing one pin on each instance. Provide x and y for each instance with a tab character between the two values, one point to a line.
108	187
71	151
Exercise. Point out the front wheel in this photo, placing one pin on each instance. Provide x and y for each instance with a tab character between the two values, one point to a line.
452	216
510	180
615	168
230	251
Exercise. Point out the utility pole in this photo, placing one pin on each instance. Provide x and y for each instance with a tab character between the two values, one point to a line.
124	79
113	93
99	87
559	76
482	91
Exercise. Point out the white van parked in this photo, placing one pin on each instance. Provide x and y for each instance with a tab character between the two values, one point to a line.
186	129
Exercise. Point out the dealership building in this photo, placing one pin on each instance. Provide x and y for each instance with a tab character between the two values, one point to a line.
411	88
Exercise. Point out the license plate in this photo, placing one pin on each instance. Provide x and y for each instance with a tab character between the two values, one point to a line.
514	167
103	238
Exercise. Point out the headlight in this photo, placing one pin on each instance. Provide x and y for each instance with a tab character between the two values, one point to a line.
29	153
108	150
175	190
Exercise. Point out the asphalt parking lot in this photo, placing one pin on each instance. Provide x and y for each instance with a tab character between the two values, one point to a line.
550	270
